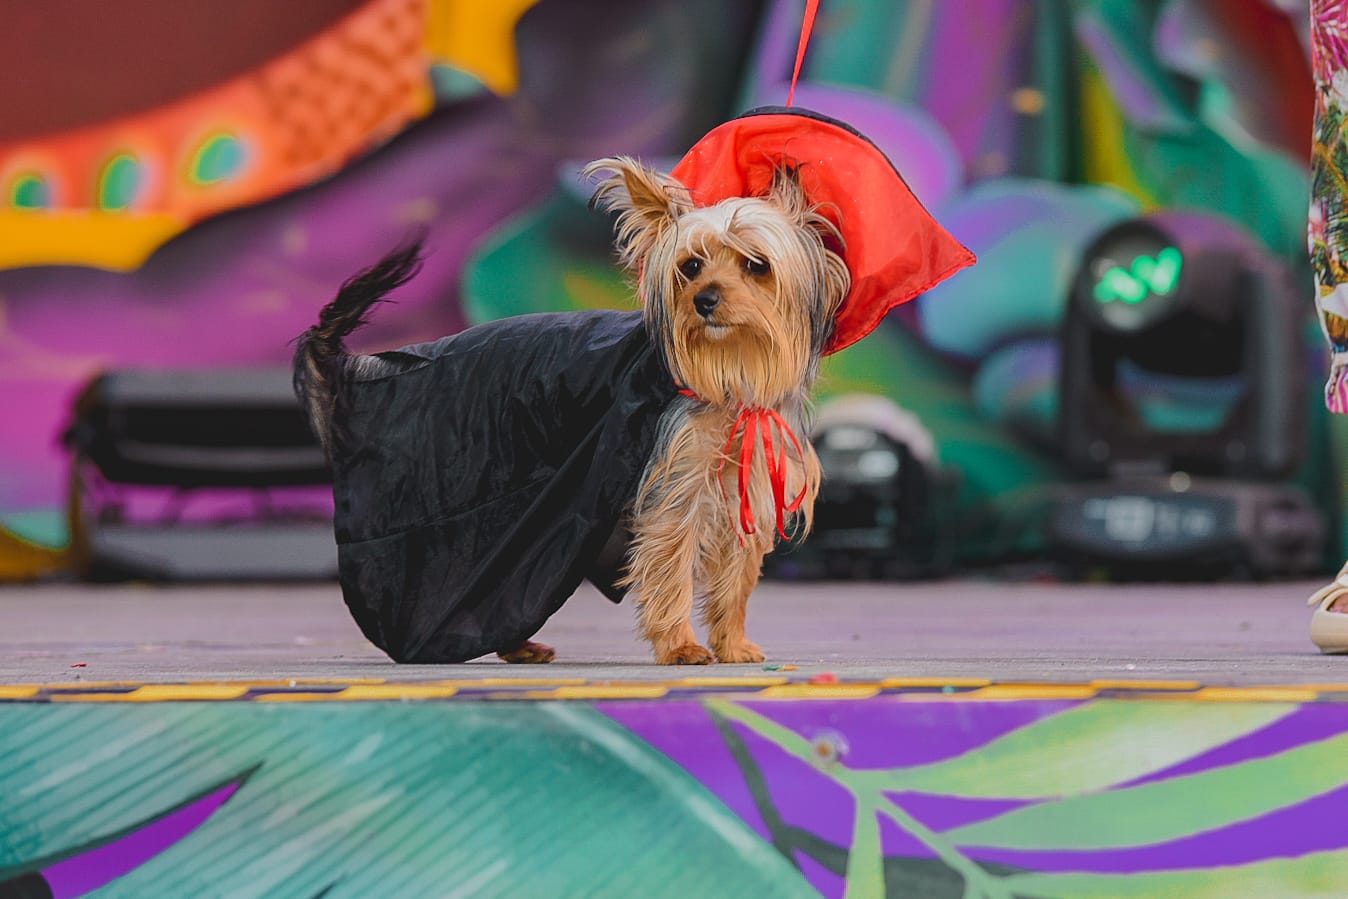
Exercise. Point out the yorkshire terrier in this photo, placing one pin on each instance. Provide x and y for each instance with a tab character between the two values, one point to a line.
740	299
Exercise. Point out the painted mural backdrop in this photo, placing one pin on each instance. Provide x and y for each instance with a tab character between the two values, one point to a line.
207	229
151	228
788	790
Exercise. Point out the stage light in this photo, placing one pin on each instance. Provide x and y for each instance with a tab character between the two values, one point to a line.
197	475
859	455
1180	405
874	515
1180	353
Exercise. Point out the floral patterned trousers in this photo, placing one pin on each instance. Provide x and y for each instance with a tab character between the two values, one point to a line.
1327	233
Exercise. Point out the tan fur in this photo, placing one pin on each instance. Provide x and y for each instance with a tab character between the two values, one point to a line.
779	284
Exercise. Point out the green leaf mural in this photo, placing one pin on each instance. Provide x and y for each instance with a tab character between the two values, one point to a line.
1064	796
718	794
1091	747
1321	874
1198	802
376	799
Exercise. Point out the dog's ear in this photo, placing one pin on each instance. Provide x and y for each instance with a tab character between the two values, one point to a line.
835	280
646	201
787	193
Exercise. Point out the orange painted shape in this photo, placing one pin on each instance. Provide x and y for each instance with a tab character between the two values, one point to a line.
298	118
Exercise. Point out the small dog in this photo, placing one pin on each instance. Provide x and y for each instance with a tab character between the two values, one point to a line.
740	298
739	301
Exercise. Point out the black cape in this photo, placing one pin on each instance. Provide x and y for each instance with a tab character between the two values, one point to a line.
480	478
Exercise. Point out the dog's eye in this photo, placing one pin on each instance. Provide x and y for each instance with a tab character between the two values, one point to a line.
690	267
757	266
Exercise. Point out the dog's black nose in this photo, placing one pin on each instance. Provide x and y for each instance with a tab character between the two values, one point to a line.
706	301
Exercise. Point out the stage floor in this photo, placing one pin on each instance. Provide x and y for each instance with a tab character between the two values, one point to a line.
1215	634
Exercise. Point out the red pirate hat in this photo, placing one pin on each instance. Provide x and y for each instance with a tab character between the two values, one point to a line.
895	249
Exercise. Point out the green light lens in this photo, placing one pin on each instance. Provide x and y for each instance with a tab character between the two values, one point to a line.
1166	273
1147	275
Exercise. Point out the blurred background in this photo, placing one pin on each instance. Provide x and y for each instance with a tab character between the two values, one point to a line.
1128	385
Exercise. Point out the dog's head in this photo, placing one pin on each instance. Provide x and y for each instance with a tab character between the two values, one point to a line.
740	296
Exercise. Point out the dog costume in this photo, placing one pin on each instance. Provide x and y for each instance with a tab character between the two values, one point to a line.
480	478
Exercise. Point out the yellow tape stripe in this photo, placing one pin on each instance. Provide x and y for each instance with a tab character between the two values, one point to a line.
396	691
609	691
496	682
1030	691
768	687
899	683
1319	688
94	685
160	693
729	681
363	693
820	691
1255	694
1145	684
304	682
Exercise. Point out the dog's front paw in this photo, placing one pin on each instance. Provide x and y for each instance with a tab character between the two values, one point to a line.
744	651
529	653
687	654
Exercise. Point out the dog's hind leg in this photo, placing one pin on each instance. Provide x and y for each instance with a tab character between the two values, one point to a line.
732	574
529	653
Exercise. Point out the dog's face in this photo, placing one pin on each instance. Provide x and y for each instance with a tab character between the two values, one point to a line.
739	296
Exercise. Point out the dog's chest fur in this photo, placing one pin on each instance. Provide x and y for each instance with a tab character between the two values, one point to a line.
694	473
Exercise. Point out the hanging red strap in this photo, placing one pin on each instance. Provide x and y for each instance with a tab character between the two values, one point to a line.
757	424
806	26
751	423
776	462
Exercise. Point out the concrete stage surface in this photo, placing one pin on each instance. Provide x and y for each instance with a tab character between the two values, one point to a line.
961	739
1218	634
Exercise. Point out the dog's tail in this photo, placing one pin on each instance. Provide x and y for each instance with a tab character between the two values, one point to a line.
321	359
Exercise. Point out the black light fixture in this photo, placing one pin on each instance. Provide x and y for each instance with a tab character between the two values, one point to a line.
1172	299
197	475
1181	403
875	516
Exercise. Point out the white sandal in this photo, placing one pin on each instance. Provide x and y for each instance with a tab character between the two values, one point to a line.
1329	630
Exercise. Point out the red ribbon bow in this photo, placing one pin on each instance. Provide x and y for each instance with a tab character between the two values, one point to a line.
757	424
